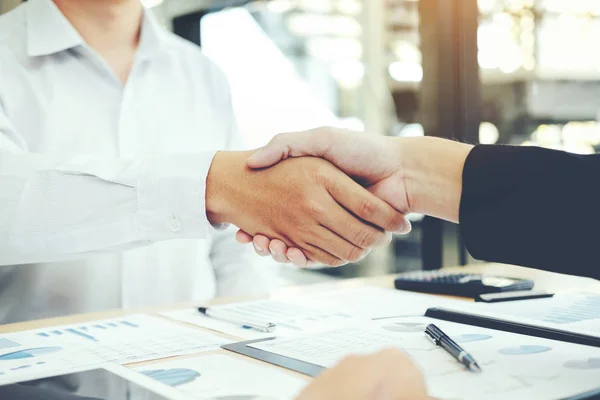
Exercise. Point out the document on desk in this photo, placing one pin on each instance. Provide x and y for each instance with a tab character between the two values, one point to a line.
291	319
120	340
317	312
572	312
514	366
222	376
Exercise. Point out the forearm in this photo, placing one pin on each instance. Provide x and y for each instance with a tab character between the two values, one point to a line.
432	171
53	209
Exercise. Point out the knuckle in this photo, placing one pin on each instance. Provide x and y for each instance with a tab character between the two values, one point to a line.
315	208
367	210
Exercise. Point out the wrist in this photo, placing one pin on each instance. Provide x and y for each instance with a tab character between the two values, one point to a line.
432	172
220	185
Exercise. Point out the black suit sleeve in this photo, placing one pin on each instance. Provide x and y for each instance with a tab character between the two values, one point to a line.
533	207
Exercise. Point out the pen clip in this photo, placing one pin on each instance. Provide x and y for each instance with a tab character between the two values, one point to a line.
431	338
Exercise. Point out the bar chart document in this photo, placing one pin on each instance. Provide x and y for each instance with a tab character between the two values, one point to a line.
121	340
572	312
221	376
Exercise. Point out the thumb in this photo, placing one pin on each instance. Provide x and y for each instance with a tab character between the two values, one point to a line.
269	155
287	145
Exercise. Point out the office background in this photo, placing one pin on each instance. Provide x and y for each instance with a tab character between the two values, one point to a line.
524	72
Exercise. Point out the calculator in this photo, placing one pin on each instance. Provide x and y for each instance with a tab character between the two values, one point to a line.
464	285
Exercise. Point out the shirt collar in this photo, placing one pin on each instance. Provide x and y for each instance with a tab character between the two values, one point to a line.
151	36
50	32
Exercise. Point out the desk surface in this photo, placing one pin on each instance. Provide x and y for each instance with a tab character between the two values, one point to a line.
543	281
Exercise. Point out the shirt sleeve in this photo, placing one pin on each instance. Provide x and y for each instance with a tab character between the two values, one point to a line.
55	208
532	207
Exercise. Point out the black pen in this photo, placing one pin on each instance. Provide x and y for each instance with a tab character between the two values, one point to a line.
439	338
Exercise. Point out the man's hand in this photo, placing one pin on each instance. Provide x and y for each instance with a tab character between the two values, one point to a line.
306	203
373	161
387	375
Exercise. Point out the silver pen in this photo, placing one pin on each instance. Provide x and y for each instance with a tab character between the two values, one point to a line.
223	315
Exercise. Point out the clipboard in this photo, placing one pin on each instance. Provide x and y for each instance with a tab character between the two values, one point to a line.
512	327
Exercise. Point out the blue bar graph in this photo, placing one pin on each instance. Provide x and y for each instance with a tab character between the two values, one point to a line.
581	310
82	334
84	331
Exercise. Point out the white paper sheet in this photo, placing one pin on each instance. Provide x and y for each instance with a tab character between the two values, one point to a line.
574	312
215	376
121	340
514	366
375	302
318	312
291	319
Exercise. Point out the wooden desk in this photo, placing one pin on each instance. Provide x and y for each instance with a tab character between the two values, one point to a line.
543	281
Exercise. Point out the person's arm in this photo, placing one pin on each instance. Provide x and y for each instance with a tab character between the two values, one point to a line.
54	208
532	207
517	205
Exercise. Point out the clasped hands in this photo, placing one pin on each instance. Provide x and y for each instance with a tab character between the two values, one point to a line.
324	196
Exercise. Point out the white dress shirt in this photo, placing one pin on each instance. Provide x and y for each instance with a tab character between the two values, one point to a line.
102	185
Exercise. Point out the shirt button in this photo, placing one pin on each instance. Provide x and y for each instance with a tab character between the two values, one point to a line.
175	225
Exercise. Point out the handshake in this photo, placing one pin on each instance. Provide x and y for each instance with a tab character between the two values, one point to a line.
329	196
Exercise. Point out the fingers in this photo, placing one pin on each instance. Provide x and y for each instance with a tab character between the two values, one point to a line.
366	205
297	257
358	235
243	237
295	144
261	245
338	251
278	251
